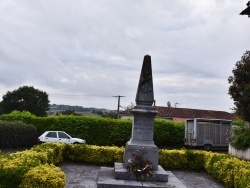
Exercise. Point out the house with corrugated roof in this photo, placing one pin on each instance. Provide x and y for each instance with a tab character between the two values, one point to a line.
182	114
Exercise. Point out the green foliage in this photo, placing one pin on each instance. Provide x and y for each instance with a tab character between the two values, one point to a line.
26	166
26	98
241	140
168	133
231	171
182	159
240	86
42	176
17	134
41	123
101	131
92	154
14	166
240	123
54	152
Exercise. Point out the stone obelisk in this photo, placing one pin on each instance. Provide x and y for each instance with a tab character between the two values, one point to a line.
141	139
143	122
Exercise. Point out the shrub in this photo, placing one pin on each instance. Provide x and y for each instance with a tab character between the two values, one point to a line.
44	176
231	171
182	159
227	169
17	134
101	131
41	123
54	151
168	133
14	166
241	140
94	154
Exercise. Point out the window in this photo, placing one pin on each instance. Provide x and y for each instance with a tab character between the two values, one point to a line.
63	135
51	135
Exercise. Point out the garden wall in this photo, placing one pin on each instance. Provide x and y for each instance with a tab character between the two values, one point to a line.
242	154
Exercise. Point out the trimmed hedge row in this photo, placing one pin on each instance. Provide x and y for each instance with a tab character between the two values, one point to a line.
101	131
24	167
17	134
16	167
52	177
91	154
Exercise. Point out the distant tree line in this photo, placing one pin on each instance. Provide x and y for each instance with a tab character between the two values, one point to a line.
68	109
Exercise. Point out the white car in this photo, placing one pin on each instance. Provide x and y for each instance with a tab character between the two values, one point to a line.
59	136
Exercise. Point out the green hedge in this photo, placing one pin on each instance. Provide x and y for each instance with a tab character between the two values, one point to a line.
24	167
41	123
17	134
91	154
14	167
101	131
42	176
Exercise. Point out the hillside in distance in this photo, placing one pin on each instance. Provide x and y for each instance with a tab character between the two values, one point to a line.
61	108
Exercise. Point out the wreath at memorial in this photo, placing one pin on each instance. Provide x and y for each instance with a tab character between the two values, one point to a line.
140	167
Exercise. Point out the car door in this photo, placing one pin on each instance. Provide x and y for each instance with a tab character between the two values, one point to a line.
51	137
63	137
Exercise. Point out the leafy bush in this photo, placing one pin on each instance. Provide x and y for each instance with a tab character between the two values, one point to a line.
241	140
101	131
17	134
44	176
41	123
182	159
231	171
240	123
94	154
14	166
227	169
168	133
54	151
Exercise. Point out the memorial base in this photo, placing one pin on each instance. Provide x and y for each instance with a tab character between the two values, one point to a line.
107	179
122	173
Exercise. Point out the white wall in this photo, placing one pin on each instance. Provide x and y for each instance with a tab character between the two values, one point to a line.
242	154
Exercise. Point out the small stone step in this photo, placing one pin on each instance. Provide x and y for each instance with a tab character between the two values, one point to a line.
106	179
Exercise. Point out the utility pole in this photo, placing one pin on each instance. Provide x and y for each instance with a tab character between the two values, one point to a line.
118	107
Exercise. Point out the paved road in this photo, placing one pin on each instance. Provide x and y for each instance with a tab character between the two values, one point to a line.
85	176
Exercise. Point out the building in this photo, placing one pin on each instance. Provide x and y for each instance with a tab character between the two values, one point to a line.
181	114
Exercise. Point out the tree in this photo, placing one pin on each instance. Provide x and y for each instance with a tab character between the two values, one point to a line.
240	86
26	98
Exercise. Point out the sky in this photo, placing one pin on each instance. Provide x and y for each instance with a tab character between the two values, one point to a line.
85	52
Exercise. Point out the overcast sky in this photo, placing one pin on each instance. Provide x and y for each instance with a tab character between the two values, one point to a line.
83	52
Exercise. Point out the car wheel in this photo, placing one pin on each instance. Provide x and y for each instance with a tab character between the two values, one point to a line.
207	147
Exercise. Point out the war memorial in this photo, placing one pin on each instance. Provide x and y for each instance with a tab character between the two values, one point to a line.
140	166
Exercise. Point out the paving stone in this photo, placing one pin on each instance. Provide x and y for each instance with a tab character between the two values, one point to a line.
86	176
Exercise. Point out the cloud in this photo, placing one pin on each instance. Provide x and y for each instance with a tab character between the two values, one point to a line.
96	48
